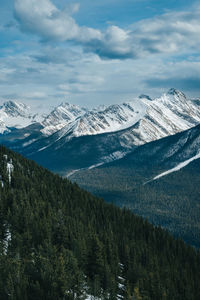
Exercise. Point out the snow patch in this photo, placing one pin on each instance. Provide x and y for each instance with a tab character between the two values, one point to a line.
114	156
10	169
82	169
95	166
90	297
29	142
7	239
178	167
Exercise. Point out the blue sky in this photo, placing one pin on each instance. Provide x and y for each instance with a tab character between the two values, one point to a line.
97	52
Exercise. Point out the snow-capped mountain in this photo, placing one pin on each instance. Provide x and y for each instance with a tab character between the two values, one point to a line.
103	134
150	119
167	115
15	115
145	164
81	121
109	119
153	119
60	117
167	155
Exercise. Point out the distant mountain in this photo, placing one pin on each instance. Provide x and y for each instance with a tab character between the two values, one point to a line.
15	115
110	119
58	241
159	180
152	119
71	137
167	115
62	115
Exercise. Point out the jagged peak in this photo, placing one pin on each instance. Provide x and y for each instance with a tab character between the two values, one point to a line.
14	104
14	108
67	104
142	96
175	92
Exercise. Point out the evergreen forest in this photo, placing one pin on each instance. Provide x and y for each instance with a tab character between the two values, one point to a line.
58	241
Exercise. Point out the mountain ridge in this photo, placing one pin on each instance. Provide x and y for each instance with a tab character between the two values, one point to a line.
135	181
129	125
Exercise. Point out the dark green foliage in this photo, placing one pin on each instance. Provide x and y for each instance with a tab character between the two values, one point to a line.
173	201
60	242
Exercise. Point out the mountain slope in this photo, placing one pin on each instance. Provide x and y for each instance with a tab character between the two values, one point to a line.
15	115
100	135
109	119
135	181
60	116
58	241
165	116
153	119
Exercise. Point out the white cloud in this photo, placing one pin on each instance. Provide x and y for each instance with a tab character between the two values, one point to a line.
44	19
50	72
169	33
85	79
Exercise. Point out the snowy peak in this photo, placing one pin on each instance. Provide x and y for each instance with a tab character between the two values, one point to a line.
15	115
174	96
137	122
142	96
14	109
60	117
176	93
69	110
110	119
167	115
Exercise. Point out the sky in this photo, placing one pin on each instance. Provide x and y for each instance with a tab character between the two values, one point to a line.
97	52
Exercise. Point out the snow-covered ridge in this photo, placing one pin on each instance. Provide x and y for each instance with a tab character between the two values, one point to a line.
167	115
62	115
15	109
178	167
146	119
15	115
150	119
110	119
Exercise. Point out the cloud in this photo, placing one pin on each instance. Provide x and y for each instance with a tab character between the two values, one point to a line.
44	19
169	33
69	62
81	84
115	43
85	79
50	23
183	75
188	84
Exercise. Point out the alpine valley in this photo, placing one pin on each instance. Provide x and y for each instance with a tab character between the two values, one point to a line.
143	154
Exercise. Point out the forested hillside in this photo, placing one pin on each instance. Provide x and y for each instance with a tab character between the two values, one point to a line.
58	241
171	201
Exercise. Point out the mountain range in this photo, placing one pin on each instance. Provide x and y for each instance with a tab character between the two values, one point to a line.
71	137
143	154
